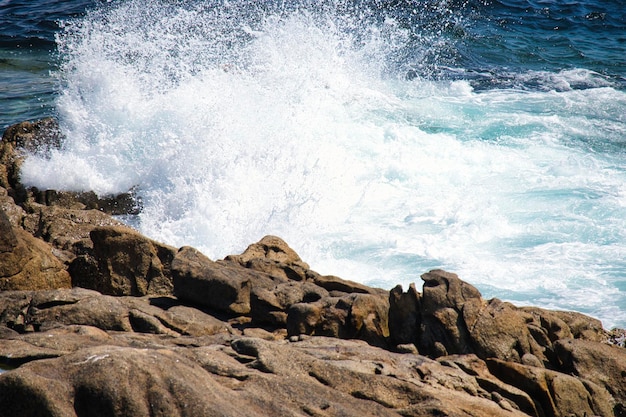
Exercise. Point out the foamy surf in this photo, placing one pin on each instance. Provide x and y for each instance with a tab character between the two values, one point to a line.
307	124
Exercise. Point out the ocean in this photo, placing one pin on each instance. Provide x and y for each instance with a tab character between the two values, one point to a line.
380	139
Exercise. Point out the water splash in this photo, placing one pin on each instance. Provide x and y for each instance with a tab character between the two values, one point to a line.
333	128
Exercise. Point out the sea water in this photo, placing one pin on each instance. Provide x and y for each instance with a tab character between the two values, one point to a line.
379	139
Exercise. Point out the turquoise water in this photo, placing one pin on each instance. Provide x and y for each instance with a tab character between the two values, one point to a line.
379	139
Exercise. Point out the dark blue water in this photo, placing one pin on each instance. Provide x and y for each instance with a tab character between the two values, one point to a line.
487	42
28	54
380	138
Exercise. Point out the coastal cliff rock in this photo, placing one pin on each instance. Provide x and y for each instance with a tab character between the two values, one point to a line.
98	320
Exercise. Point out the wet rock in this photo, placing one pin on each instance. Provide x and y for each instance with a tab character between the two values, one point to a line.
119	204
67	230
27	137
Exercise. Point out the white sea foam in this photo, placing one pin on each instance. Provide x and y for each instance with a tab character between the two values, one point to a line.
233	126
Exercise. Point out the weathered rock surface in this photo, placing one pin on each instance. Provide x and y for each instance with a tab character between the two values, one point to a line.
98	320
199	280
27	262
123	262
602	364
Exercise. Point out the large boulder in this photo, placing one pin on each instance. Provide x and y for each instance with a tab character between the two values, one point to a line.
31	312
498	330
48	309
353	316
404	316
443	328
274	257
200	281
270	303
555	394
124	262
600	363
338	286
27	263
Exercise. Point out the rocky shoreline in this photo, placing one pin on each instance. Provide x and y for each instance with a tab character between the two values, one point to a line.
98	320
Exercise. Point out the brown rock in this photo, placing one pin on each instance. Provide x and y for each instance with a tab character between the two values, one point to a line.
499	331
554	393
558	325
354	316
14	352
22	348
27	263
306	319
115	381
445	290
602	364
199	280
404	316
34	137
497	389
193	322
269	304
443	328
14	213
8	239
392	384
78	306
14	308
333	283
66	229
124	263
456	320
272	256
